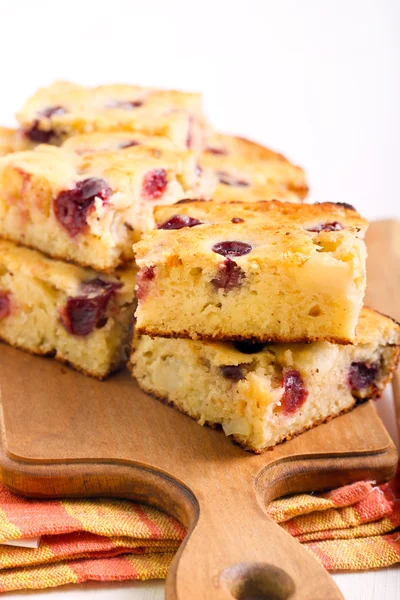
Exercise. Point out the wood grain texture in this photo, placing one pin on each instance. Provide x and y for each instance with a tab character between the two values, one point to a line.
64	434
384	281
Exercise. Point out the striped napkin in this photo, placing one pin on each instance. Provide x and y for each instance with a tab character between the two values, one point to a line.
353	527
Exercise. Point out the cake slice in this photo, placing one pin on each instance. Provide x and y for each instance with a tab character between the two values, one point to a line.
90	209
251	280
247	171
324	216
63	109
264	394
76	315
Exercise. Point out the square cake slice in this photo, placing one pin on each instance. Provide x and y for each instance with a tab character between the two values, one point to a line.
251	280
90	208
63	109
264	394
247	171
76	315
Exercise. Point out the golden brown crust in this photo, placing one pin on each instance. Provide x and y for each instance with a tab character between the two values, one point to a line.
153	332
274	212
370	322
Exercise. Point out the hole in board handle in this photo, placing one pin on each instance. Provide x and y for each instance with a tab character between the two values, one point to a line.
257	581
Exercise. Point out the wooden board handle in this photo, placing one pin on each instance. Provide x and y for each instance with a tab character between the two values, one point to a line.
232	551
244	556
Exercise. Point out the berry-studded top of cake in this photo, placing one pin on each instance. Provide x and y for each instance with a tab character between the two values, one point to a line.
253	245
55	112
246	170
318	217
69	278
117	140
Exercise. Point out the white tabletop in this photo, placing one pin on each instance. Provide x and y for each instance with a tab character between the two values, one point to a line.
316	80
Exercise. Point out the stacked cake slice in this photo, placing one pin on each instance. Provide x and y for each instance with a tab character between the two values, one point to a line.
69	215
271	296
250	310
79	180
267	272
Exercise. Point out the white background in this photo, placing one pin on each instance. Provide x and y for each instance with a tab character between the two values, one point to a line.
317	80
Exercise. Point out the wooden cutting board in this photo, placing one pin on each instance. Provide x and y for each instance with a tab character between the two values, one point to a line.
64	434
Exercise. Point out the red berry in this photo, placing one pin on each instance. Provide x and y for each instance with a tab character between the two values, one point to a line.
230	276
39	135
232	249
143	279
154	184
362	375
334	226
71	207
295	393
5	304
179	221
83	313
